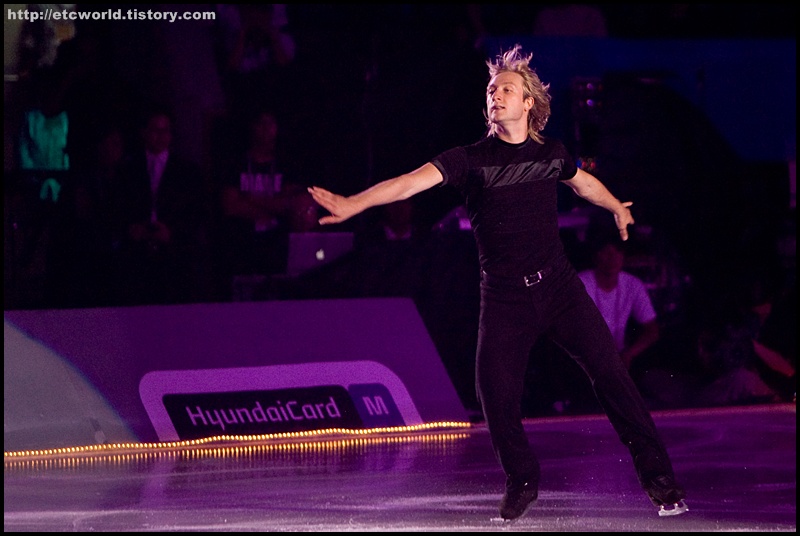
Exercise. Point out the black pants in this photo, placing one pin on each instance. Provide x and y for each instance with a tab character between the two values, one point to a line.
512	317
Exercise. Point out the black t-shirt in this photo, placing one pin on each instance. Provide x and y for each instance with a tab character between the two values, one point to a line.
257	179
511	198
246	245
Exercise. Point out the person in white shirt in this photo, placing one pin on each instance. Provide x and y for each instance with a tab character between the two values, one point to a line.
621	297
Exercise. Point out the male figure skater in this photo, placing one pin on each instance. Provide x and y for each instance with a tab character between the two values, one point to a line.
528	288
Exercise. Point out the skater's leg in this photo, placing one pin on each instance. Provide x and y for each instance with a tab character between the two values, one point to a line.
504	341
583	333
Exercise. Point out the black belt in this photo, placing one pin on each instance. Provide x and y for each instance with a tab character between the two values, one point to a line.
519	281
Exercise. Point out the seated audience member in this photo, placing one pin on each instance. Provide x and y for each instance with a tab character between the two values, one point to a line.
734	366
162	215
259	204
775	341
623	300
621	297
729	374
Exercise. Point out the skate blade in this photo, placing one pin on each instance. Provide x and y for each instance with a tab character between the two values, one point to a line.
673	510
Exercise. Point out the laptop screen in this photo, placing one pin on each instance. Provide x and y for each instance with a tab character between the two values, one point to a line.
311	250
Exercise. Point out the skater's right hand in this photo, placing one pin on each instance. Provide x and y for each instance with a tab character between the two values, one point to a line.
341	208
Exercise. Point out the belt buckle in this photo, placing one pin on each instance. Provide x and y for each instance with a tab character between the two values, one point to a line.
533	279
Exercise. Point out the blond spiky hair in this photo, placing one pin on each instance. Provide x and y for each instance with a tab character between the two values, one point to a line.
514	61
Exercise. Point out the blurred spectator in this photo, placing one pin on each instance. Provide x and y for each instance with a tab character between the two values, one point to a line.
36	170
188	75
83	239
728	360
70	103
94	96
254	46
734	363
42	143
40	39
622	299
775	342
259	204
391	260
398	221
162	213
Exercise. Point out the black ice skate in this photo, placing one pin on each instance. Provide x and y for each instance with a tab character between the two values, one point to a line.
518	498
667	495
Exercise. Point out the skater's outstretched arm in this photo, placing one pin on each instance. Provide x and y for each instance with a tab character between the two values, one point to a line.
591	189
401	187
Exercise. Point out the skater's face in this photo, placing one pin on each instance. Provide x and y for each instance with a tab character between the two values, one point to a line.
505	99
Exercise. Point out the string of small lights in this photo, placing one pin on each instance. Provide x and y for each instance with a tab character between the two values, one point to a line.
227	445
